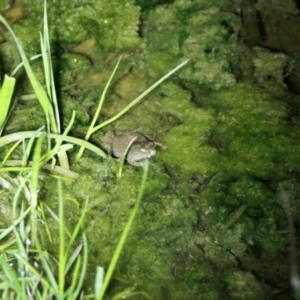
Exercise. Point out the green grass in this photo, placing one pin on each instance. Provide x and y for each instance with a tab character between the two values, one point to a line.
28	271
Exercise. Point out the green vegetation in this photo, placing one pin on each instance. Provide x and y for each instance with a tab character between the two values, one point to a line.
212	223
28	269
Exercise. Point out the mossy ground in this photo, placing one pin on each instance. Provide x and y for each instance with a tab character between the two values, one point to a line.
228	138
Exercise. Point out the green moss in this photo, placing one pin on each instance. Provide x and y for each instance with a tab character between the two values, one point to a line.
268	70
261	220
237	136
254	133
75	26
148	5
243	285
102	21
183	143
197	32
73	65
251	132
163	223
80	21
248	192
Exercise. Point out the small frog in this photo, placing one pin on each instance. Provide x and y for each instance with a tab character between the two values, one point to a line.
116	142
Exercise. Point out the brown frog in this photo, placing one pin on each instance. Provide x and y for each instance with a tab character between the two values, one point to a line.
142	146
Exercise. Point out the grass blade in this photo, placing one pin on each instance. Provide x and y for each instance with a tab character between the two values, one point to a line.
95	118
48	67
124	235
10	138
99	280
6	94
37	87
139	98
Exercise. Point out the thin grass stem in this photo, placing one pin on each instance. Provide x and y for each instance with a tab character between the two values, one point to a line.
139	98
10	138
124	235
